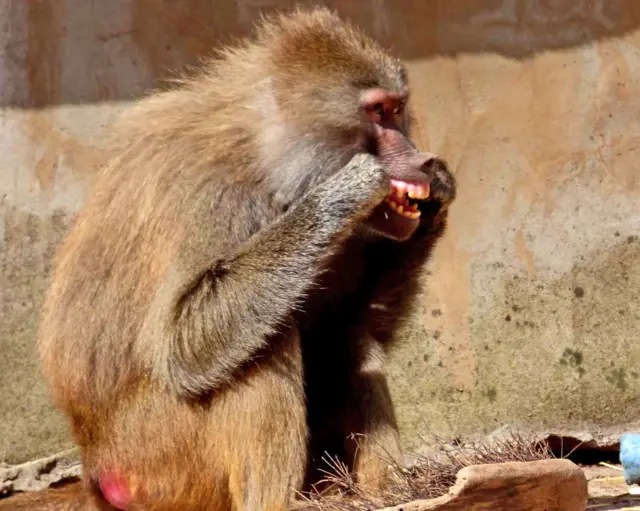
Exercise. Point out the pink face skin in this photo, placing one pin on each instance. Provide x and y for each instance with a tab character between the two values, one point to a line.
398	216
115	490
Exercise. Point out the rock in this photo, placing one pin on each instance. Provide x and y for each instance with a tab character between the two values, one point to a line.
550	485
39	474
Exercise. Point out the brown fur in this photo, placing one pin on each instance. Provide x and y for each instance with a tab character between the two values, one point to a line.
218	317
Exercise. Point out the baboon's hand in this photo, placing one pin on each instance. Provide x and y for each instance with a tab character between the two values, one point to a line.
443	186
443	193
356	189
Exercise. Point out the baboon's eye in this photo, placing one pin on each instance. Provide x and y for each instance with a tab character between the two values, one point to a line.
378	108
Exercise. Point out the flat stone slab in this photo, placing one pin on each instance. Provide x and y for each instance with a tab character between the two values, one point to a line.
547	485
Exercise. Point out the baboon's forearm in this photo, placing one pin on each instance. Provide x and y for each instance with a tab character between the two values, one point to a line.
240	302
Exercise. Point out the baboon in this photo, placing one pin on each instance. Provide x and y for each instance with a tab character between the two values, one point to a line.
219	314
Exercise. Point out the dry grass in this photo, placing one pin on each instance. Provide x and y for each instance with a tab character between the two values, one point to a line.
430	476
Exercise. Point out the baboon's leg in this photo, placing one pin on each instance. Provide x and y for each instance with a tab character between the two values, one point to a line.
265	431
372	442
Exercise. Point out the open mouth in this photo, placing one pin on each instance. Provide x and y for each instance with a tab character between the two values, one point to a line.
398	216
405	197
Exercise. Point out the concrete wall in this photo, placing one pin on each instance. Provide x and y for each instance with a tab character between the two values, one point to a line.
531	316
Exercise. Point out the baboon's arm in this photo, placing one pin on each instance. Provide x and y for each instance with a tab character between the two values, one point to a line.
218	317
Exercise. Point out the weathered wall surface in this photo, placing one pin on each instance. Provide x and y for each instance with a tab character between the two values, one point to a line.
532	314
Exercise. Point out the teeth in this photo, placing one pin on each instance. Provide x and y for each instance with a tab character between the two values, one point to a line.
406	210
402	189
418	191
399	185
